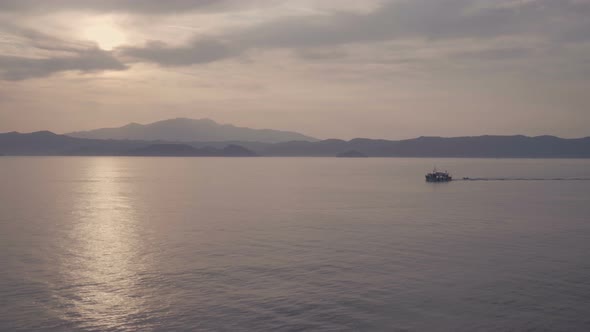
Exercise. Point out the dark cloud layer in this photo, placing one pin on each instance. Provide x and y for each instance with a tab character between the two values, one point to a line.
53	55
94	60
427	19
200	51
553	21
153	7
312	37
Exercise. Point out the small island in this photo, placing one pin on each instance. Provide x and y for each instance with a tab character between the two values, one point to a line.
185	150
351	154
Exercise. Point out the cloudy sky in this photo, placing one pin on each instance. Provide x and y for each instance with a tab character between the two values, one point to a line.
327	68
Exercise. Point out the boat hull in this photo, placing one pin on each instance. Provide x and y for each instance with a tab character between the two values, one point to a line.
438	177
439	180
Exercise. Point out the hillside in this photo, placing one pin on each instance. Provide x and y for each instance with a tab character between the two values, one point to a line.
191	130
47	143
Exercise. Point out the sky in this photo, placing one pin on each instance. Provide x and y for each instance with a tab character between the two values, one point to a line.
327	68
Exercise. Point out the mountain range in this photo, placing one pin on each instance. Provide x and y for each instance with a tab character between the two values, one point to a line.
518	146
191	130
45	143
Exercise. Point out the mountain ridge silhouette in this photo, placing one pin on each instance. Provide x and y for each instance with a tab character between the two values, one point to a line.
486	146
191	130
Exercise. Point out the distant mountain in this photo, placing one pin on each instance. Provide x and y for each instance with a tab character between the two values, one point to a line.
351	154
478	146
165	150
185	150
41	142
191	130
47	143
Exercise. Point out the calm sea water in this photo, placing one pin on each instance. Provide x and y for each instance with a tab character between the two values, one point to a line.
289	244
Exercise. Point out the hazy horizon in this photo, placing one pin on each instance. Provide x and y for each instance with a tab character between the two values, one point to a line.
389	69
294	131
304	132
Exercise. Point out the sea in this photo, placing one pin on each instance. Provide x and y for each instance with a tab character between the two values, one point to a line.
293	244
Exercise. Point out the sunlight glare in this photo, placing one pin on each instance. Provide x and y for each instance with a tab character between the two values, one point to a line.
105	33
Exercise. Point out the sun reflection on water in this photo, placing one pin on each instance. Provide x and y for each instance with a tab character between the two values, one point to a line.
103	263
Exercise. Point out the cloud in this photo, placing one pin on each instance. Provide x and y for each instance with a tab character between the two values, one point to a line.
428	20
315	35
424	19
151	7
198	52
314	54
498	54
46	55
16	68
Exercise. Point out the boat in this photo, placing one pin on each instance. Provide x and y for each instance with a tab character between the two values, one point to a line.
436	176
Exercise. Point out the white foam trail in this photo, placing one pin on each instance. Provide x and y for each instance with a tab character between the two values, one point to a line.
524	179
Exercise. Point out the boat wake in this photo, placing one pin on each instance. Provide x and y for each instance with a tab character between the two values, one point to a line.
523	179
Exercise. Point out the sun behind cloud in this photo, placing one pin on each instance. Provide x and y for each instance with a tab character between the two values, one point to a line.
104	31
